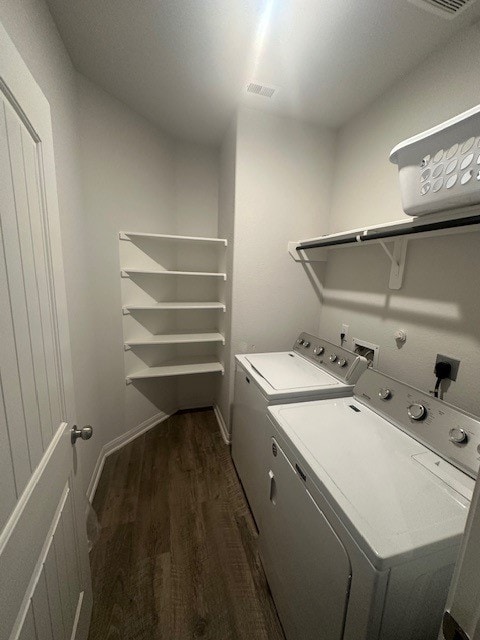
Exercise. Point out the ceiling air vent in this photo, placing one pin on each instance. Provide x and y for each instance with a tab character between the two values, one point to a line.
260	90
444	8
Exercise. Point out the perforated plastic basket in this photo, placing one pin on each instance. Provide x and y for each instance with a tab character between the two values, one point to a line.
439	169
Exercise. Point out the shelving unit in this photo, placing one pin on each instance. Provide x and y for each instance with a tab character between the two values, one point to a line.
177	368
132	235
174	306
397	232
180	342
177	338
164	272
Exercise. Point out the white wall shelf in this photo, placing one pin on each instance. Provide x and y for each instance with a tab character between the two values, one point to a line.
128	235
180	367
174	306
177	338
397	232
182	269
163	272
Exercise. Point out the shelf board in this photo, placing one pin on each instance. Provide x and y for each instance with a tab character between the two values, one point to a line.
174	306
128	235
162	272
178	368
177	338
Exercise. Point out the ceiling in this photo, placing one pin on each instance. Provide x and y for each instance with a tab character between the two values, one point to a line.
184	64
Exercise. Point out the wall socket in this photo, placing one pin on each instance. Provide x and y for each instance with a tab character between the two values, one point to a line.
453	362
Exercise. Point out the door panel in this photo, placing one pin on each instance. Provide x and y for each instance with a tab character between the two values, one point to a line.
45	590
307	567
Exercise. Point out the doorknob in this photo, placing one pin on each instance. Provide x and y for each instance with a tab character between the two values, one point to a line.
85	433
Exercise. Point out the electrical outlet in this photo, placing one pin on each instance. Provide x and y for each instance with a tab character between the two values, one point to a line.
453	362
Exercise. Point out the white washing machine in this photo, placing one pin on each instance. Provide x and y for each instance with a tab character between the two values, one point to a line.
314	368
367	502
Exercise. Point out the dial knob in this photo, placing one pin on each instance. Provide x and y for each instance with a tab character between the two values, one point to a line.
458	436
300	341
385	394
306	343
333	357
342	362
318	351
417	411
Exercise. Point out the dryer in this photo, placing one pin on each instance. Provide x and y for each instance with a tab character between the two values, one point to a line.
367	502
315	368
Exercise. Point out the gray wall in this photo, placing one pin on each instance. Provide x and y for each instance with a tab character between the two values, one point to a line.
439	303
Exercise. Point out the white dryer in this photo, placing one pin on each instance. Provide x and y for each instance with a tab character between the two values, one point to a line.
367	502
314	368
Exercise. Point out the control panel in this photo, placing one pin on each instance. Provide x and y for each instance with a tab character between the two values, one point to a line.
343	364
447	430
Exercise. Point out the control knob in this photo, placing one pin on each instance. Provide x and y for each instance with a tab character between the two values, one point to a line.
417	411
458	436
342	362
318	351
333	357
300	341
385	394
306	343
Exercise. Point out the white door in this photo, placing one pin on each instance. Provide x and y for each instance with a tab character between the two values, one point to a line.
45	590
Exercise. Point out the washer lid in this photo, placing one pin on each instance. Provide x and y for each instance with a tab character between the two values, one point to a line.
287	370
372	475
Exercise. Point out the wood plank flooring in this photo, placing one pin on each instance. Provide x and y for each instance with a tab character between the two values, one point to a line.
177	555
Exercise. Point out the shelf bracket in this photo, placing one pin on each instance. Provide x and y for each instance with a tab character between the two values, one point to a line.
128	380
313	255
124	274
125	311
397	259
127	347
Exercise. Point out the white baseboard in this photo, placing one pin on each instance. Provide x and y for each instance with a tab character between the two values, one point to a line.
118	443
221	423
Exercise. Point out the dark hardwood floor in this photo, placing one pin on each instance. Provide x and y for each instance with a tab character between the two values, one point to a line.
177	554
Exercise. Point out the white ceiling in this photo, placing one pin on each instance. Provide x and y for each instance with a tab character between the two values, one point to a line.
184	64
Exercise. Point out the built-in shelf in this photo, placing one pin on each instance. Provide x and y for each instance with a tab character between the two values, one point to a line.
174	306
162	272
176	338
397	232
134	248
128	235
180	367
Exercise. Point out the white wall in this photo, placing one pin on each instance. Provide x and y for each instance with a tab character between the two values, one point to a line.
282	189
226	222
439	303
138	179
29	24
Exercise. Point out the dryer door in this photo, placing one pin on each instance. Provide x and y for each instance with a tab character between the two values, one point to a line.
307	567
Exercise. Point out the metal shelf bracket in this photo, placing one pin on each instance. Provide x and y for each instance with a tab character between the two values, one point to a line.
397	259
313	255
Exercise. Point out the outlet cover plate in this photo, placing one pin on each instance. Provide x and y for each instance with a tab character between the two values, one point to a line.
454	363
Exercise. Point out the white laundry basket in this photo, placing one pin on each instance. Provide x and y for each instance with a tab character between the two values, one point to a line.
440	168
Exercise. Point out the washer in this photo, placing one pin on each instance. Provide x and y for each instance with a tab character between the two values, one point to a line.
315	368
367	502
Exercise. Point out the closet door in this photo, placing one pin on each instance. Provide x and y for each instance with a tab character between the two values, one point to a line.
307	567
45	590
